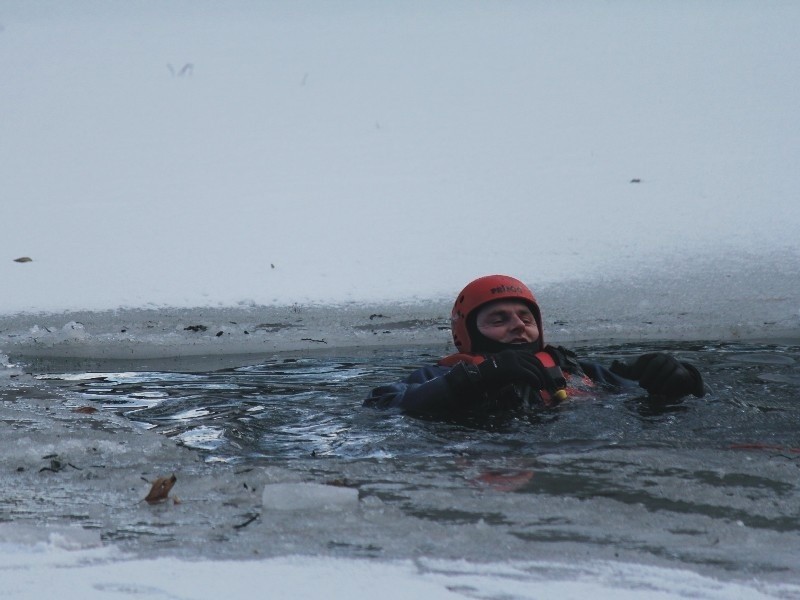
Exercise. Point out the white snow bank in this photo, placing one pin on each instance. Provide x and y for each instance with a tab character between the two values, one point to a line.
47	570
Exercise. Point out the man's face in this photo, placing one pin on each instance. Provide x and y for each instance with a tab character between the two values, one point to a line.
508	322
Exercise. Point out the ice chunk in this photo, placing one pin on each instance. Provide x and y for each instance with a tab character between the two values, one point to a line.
74	330
7	368
308	496
65	538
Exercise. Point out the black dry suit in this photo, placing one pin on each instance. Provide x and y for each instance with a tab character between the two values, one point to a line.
459	382
489	374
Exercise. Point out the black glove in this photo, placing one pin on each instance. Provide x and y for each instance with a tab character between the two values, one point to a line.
662	375
504	368
512	366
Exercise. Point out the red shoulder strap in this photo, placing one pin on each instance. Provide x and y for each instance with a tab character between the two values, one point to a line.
476	359
454	359
546	359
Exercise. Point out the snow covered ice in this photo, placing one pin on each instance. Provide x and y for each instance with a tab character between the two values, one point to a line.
356	153
197	182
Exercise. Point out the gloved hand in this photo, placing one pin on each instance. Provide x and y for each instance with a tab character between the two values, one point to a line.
662	375
498	370
512	366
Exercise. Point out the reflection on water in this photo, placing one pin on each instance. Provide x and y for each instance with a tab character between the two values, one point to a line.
311	406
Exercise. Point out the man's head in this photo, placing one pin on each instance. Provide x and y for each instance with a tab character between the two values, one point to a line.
507	322
494	311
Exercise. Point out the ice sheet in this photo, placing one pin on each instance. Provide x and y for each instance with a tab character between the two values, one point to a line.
312	154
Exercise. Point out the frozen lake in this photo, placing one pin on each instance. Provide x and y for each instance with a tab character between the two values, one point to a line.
194	193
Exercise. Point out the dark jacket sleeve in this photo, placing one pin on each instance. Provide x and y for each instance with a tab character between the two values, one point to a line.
426	390
601	376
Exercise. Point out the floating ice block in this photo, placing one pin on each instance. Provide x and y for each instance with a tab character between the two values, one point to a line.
308	496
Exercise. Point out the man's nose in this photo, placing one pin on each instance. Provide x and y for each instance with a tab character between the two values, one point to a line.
517	322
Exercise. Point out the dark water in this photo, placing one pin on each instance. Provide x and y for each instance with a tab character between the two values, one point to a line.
296	407
712	484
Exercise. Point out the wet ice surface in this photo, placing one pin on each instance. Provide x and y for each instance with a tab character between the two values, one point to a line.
728	298
710	484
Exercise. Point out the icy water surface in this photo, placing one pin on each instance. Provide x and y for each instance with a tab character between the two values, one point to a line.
291	407
709	483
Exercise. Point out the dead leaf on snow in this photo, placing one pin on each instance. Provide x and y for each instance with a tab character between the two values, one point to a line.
160	489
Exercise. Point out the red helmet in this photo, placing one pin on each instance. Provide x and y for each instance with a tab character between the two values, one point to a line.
482	291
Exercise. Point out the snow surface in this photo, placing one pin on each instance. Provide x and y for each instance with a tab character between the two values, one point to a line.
59	573
625	158
320	152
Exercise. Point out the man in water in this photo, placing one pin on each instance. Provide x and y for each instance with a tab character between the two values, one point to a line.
503	363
